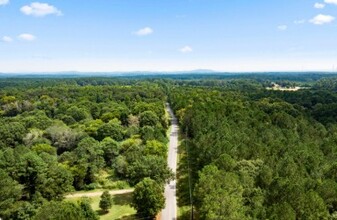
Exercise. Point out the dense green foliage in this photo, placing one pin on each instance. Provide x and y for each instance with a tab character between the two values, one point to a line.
251	153
66	210
258	154
106	201
148	198
60	135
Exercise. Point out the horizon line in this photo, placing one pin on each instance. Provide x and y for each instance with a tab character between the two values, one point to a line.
197	71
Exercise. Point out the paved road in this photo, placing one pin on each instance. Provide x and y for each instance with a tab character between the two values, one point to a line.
170	211
98	193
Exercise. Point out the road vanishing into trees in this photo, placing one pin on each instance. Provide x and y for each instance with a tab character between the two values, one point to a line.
170	211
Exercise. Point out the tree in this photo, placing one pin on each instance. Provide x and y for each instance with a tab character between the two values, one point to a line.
219	195
87	211
92	126
10	192
77	113
63	137
106	201
59	210
31	172
154	167
87	160
58	181
148	118
35	137
113	130
147	133
148	198
11	134
44	148
21	210
154	147
36	119
111	149
282	211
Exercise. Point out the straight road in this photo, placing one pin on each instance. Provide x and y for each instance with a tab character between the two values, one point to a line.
170	211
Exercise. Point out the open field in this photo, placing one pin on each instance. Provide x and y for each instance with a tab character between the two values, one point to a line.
121	208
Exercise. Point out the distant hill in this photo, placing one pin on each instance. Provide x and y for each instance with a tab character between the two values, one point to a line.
203	73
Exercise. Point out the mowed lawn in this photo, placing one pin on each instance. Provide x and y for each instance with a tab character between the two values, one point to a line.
121	208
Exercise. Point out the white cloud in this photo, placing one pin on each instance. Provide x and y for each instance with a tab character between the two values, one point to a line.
322	19
331	2
282	27
7	39
27	37
319	5
38	9
299	21
144	31
186	49
4	2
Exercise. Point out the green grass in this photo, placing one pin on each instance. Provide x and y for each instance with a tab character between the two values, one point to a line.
184	213
120	210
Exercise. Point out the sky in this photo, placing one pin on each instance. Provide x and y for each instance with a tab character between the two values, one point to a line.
168	35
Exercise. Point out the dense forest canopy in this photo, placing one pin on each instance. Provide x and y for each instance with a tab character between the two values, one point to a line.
259	154
251	153
60	136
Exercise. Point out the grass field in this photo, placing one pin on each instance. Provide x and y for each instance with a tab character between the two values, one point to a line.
121	208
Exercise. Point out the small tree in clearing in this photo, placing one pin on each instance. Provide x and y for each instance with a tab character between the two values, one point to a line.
106	201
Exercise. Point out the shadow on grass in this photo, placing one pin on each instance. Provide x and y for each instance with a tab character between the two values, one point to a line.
122	199
101	212
130	217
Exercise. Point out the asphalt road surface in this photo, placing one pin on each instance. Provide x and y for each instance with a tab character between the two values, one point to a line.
170	211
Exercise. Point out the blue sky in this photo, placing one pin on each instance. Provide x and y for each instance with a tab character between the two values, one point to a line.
167	35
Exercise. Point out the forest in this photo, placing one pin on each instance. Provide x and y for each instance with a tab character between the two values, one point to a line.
64	136
246	152
251	153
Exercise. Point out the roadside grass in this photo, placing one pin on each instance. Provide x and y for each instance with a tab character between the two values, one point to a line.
184	213
120	210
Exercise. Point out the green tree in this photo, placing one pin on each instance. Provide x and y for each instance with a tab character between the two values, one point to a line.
78	114
219	195
154	167
10	192
282	211
22	210
112	130
148	198
44	148
148	118
58	181
11	134
31	172
86	160
111	149
92	126
59	210
106	201
155	147
87	211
